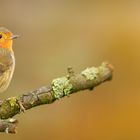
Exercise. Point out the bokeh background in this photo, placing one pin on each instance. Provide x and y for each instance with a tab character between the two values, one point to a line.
55	34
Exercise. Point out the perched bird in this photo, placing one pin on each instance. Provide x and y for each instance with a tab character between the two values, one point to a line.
7	58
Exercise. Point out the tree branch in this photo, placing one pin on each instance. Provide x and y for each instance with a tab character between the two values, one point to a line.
60	87
8	126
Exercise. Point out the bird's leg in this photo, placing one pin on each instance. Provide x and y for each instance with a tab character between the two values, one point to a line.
22	109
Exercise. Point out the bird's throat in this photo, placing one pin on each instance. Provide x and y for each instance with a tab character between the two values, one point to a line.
7	44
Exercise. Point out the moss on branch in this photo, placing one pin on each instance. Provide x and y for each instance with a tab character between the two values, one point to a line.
59	87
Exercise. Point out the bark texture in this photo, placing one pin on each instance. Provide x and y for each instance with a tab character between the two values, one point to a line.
59	87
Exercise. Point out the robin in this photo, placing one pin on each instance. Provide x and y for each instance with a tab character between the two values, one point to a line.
7	58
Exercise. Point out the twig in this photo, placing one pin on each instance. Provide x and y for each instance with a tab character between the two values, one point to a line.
8	126
60	87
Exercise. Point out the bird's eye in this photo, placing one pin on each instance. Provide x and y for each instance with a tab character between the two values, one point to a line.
0	36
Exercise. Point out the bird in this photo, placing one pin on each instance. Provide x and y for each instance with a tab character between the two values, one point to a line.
7	58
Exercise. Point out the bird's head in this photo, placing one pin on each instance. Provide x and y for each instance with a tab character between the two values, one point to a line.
6	38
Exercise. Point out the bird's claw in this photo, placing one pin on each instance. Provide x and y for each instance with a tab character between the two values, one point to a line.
22	109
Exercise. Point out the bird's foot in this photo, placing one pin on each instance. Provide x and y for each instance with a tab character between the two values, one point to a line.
22	109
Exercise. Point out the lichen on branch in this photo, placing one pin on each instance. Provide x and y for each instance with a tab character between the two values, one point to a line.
59	87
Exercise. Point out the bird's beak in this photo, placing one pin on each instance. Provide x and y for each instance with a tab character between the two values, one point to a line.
14	36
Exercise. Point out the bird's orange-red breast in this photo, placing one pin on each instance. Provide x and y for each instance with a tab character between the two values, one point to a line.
7	58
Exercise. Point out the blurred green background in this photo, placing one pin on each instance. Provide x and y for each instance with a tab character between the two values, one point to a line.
56	34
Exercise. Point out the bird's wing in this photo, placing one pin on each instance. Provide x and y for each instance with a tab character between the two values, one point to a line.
7	65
